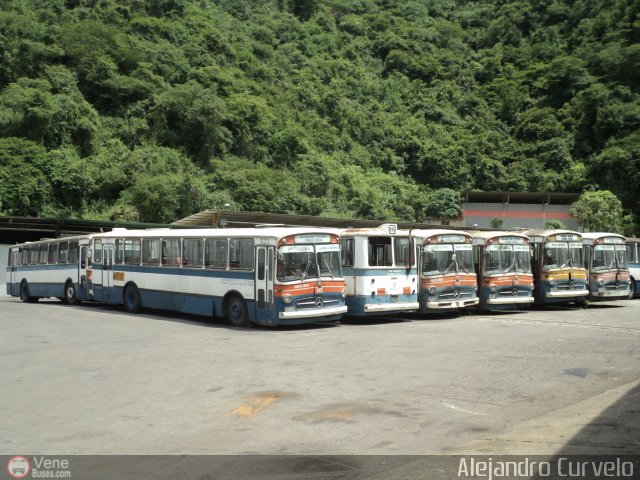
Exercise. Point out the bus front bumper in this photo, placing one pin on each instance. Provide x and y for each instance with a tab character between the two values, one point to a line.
454	304
315	313
568	294
510	301
390	307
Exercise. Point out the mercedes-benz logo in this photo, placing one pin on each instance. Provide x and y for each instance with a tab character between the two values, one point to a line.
456	293
514	292
319	302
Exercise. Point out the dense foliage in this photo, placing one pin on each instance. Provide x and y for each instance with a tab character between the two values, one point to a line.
153	109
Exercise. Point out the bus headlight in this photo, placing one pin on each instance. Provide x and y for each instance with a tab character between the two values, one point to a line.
492	288
432	290
344	294
600	283
287	298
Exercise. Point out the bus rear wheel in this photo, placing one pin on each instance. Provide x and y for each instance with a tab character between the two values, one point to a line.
236	312
632	289
70	297
24	293
132	301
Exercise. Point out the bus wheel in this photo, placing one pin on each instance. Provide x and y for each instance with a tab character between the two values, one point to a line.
24	293
70	297
132	302
236	312
632	289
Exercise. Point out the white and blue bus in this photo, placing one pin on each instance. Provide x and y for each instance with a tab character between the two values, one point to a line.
49	268
270	276
380	270
633	262
605	256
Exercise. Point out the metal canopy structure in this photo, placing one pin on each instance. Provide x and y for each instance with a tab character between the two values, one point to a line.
22	229
545	198
230	219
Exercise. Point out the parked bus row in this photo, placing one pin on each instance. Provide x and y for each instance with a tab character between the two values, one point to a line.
285	275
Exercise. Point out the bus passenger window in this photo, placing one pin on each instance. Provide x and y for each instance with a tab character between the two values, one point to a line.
241	253
119	251
215	255
53	254
347	252
151	251
44	254
132	251
171	252
192	252
74	252
402	251
25	256
63	252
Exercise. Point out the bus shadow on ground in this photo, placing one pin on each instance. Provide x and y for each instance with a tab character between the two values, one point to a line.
602	306
186	318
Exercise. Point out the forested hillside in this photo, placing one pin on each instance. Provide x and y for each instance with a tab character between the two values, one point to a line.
153	109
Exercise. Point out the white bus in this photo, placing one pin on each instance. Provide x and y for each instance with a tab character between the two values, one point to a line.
270	276
605	256
447	277
49	268
633	259
380	270
503	264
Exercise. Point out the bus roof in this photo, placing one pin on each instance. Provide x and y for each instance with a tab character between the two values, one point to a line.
531	233
274	232
438	231
486	235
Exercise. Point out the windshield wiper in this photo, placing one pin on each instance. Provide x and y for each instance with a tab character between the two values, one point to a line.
514	266
454	263
306	269
326	264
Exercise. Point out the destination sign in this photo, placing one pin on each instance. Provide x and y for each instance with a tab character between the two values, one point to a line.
451	238
312	238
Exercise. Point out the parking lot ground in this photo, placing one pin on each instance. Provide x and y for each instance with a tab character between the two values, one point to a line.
92	379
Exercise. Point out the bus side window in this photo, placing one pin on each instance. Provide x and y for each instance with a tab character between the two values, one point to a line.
132	251
119	251
53	253
151	251
44	254
171	252
241	254
25	256
192	252
63	252
215	255
347	252
74	252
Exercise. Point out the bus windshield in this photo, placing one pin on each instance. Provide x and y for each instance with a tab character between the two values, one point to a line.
443	259
562	254
301	262
609	257
502	259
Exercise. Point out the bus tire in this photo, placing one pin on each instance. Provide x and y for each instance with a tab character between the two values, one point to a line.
24	293
632	288
132	301
70	296
236	312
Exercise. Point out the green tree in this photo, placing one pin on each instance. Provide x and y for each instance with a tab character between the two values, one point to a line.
599	211
443	203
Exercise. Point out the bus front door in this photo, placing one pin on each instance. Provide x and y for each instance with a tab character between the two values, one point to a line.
83	293
264	285
108	295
